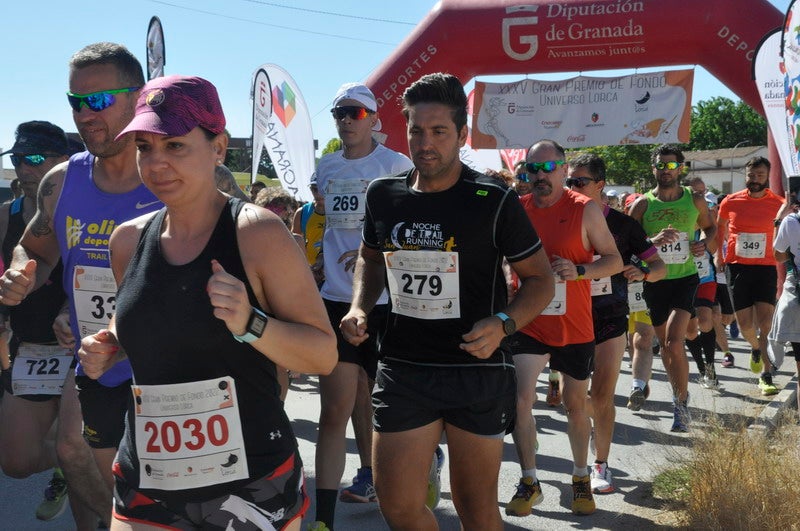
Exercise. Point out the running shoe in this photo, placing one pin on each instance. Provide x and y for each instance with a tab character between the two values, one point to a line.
765	384
529	493
553	393
55	498
435	479
582	500
362	490
727	360
682	417
710	379
638	397
601	479
734	330
756	365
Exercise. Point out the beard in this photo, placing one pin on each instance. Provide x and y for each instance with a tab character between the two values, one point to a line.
756	187
542	188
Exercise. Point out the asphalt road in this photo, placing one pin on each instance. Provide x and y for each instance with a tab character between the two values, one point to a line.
643	446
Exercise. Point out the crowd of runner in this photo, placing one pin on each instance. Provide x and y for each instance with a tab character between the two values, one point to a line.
154	314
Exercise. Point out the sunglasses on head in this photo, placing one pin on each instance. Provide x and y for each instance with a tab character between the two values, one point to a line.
580	182
96	101
351	111
547	166
671	165
28	160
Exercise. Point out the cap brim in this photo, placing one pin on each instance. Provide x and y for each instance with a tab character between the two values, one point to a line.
151	122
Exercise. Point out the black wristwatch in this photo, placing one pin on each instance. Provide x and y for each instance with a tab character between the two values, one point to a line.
509	326
255	326
581	271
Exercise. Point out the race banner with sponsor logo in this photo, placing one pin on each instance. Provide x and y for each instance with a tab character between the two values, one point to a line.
156	50
768	76
288	137
790	52
584	111
261	94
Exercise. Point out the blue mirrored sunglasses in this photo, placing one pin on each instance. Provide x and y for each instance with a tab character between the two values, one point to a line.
96	101
546	166
28	160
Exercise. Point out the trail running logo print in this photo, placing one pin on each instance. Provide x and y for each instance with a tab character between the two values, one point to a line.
283	103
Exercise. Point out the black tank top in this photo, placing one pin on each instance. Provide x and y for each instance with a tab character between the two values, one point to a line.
165	323
32	320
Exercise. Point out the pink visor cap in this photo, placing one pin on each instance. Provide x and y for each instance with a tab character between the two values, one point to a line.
174	105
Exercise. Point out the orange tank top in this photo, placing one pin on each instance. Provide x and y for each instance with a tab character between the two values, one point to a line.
560	227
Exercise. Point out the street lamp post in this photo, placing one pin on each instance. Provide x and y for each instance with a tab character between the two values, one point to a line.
733	152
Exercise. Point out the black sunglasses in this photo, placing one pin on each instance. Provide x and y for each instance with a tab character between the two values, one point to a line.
580	182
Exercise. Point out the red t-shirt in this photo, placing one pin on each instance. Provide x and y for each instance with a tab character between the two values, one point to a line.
750	227
560	229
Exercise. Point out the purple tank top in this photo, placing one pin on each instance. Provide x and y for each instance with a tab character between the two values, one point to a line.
84	218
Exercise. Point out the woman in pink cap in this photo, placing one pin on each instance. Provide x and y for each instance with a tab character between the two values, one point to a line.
213	294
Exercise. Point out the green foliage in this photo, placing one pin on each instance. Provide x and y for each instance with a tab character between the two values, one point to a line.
625	165
720	123
241	160
334	144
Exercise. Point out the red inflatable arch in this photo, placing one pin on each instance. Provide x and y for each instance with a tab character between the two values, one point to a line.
468	38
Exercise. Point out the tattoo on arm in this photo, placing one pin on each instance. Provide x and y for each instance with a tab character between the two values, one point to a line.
40	224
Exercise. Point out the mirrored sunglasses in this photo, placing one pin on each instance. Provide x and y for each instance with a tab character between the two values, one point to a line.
28	160
96	101
547	166
351	111
580	182
523	178
671	165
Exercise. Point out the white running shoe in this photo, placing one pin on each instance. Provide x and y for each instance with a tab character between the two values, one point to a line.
601	478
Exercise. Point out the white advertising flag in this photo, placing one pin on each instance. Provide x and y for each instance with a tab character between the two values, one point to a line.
261	94
584	111
156	50
768	77
288	138
790	52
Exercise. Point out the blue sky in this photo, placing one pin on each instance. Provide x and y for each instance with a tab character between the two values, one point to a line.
321	44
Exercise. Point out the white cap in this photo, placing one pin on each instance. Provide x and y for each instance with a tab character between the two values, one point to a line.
611	193
711	199
360	93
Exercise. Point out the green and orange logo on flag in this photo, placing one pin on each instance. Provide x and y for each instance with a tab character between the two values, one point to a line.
283	103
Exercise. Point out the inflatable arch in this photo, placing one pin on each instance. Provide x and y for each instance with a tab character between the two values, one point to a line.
468	38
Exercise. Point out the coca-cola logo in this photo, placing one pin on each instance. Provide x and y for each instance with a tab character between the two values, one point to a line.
576	138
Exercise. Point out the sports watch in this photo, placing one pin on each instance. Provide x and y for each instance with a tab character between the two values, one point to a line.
255	326
581	271
509	326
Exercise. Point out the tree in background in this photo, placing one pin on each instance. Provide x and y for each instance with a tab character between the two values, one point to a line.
720	123
241	160
333	145
625	165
